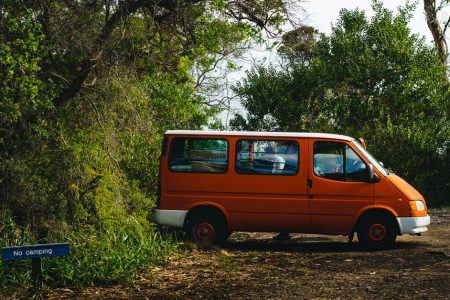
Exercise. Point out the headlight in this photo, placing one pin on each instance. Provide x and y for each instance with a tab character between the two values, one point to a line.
417	205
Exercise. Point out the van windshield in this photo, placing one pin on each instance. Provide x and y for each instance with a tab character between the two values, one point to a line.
369	156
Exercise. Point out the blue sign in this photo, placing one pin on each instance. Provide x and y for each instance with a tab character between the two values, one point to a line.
31	251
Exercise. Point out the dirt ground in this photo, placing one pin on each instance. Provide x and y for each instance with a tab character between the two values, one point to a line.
253	266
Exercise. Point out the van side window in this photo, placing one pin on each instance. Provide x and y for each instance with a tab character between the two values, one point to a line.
337	161
355	168
267	157
198	155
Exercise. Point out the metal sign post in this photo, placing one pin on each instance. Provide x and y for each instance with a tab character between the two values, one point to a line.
36	271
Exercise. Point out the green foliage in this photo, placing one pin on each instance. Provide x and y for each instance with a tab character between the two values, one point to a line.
369	78
96	257
21	51
87	89
14	273
270	99
278	100
299	45
113	256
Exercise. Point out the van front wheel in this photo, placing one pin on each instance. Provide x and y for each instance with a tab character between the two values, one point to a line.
377	231
206	229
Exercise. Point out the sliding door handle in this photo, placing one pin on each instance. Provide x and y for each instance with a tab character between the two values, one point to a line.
309	183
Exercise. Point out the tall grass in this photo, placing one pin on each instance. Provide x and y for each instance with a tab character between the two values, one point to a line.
18	272
106	257
112	257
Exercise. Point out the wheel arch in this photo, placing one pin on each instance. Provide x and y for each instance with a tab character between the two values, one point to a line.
374	211
206	207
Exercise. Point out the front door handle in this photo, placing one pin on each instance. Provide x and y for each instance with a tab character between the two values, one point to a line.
309	183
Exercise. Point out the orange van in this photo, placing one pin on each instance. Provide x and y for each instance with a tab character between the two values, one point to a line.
212	183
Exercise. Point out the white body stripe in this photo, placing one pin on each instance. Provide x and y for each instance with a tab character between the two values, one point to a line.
173	218
413	225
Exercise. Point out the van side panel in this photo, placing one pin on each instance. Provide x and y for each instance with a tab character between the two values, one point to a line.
251	202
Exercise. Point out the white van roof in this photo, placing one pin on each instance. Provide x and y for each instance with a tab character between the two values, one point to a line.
261	134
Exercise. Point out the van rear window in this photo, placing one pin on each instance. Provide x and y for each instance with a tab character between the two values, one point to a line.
267	157
198	155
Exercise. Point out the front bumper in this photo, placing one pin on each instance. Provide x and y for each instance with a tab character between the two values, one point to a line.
413	225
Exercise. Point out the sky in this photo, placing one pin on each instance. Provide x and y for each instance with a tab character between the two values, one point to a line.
321	14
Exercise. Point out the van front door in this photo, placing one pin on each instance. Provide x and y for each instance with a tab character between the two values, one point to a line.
337	186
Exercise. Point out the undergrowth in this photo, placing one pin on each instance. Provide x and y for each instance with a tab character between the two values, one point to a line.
104	257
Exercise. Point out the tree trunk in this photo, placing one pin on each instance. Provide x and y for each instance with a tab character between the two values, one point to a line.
436	30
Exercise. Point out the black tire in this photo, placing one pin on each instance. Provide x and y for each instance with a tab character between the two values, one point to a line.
377	231
207	229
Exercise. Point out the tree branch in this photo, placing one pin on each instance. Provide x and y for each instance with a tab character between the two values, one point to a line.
125	9
446	25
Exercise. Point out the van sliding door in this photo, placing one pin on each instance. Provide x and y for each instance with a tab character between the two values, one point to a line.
269	185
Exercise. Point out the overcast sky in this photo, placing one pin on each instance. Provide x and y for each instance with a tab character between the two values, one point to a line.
321	14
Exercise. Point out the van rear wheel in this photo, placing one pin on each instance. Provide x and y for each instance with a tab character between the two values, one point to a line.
377	231
207	229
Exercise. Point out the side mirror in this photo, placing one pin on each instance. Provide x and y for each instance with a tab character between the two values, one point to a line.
371	176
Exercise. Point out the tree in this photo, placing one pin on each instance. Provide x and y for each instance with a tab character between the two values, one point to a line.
298	46
87	89
283	99
265	14
369	78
